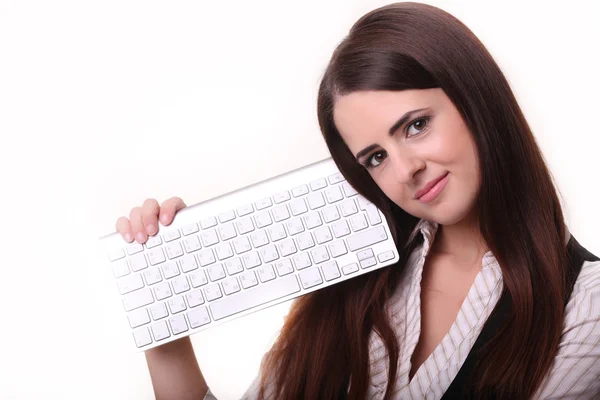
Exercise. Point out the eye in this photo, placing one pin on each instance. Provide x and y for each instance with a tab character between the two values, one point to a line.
375	159
418	125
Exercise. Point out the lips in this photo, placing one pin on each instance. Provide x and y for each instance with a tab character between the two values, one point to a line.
429	185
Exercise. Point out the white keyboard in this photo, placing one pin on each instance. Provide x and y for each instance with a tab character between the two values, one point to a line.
246	250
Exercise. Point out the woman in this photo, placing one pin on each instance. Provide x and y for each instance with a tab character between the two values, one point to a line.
492	297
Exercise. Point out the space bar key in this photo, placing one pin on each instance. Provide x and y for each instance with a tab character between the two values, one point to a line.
254	297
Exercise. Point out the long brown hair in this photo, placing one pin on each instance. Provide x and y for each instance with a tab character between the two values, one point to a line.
323	347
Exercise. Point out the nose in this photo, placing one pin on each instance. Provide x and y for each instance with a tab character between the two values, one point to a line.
405	165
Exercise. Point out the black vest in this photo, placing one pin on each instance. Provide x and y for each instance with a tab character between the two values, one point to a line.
458	388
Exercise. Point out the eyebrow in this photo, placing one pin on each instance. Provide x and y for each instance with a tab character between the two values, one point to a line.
403	119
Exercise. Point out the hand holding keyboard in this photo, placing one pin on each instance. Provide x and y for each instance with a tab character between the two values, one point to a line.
241	252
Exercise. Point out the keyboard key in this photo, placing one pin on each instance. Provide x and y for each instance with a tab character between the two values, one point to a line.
208	222
364	254
350	268
263	219
162	291
138	262
280	213
251	259
180	284
298	207
333	194
231	286
137	299
198	317
323	235
153	241
319	254
212	292
366	238
348	207
266	273
300	190
242	245
189	229
206	257
120	269
254	297
142	337
259	238
224	251
363	202
281	197
373	214
349	191
277	232
310	277
330	271
226	216
331	213
315	200
312	220
234	266
368	262
195	298
171	235
170	270
263	203
340	228
178	324
268	253
227	231
158	311
338	248
294	226
386	256
174	250
248	279
134	248
198	278
130	283
209	238
156	256
244	225
302	261
286	248
284	267
245	210
318	184
216	272
138	317
305	241
191	244
176	304
335	178
188	263
160	330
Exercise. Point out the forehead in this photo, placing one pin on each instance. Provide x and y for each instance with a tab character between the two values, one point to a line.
365	117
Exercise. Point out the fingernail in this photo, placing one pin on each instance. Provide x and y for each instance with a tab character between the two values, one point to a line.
150	229
128	237
140	237
164	218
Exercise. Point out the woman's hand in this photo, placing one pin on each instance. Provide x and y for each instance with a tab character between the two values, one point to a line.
143	221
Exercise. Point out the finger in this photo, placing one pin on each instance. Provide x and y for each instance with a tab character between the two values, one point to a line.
137	225
150	210
169	208
124	228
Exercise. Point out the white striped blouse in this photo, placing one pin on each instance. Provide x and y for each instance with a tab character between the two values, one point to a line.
575	372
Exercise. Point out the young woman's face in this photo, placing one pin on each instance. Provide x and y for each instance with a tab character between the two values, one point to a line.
411	138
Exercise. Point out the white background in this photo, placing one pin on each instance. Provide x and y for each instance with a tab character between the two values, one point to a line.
104	104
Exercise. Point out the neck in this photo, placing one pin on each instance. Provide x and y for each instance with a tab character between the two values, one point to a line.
461	241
